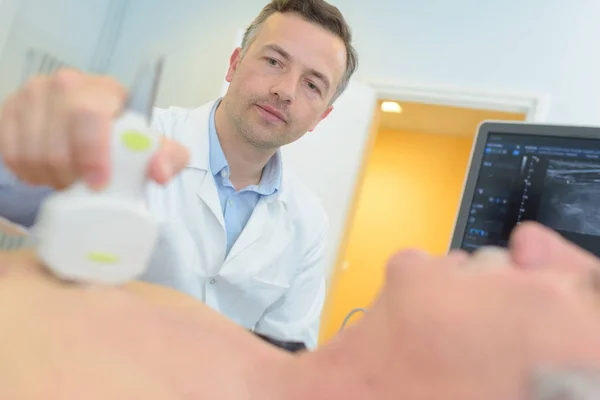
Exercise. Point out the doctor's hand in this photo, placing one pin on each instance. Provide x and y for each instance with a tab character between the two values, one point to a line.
56	130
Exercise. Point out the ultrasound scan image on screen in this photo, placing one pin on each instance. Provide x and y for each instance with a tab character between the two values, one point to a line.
552	180
570	198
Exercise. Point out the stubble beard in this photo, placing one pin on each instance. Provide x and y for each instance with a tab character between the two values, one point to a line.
250	133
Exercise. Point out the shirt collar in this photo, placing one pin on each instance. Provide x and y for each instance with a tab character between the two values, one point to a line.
218	162
271	177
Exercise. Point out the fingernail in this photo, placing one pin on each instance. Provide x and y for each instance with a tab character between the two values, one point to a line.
495	250
529	253
95	180
489	257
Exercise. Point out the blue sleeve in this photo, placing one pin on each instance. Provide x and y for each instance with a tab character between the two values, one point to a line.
19	202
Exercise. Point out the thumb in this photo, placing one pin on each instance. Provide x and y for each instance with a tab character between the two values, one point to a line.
169	160
532	245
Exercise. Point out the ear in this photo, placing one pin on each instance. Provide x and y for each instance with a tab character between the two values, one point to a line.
234	60
323	116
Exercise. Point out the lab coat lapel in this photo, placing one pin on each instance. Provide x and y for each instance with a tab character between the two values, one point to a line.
266	234
264	238
195	137
209	195
254	229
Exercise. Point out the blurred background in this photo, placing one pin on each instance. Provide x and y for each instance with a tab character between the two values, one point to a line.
389	163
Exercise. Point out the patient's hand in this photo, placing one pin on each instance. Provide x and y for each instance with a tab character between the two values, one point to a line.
478	327
66	341
534	246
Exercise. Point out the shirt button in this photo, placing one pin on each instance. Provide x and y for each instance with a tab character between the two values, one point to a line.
224	174
212	281
230	202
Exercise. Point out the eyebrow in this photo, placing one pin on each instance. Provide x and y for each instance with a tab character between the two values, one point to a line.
312	71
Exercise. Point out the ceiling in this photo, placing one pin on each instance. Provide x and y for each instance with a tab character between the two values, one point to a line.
437	119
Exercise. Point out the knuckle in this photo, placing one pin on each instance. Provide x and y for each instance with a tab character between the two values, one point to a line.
108	81
64	79
85	112
549	290
118	89
402	264
34	88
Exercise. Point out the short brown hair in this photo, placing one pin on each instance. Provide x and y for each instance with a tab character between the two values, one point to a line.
316	11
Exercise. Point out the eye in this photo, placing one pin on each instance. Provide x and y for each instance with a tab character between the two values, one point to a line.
313	87
273	62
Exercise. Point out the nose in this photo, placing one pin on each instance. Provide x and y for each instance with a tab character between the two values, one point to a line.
285	88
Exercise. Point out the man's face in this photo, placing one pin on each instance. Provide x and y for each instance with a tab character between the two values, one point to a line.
282	87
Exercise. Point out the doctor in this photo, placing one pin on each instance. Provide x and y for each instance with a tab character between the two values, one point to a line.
239	232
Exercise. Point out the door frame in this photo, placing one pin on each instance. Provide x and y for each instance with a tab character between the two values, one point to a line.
533	105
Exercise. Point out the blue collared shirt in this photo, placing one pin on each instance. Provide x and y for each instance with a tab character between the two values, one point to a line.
19	201
237	206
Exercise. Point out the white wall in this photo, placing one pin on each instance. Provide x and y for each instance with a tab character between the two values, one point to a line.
197	37
544	46
8	11
534	46
68	29
541	46
332	175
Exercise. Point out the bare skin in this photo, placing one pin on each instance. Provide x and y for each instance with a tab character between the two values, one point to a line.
71	342
455	327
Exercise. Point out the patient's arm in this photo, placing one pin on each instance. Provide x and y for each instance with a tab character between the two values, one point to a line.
66	341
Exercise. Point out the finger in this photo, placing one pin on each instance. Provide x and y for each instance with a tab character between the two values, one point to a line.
539	249
407	259
486	258
88	136
59	157
31	114
592	282
8	135
457	258
170	159
68	78
533	245
93	110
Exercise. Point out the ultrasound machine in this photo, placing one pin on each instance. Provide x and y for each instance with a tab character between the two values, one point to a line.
521	171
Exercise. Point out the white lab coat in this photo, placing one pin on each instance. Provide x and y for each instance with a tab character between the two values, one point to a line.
273	280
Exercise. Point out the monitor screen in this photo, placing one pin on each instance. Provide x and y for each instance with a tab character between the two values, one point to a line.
552	180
